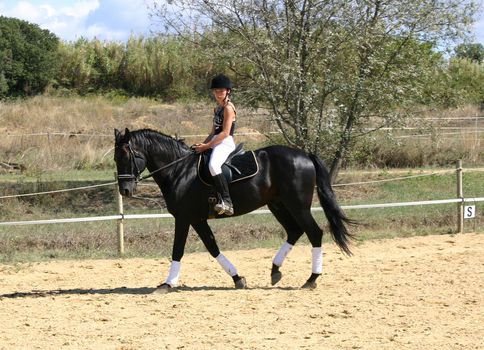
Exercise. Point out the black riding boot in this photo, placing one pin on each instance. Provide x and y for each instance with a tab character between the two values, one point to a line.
224	206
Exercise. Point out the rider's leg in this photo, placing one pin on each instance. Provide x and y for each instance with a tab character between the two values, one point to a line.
218	157
224	205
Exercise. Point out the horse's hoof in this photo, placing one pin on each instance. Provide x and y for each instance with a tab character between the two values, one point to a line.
241	283
275	277
309	285
163	289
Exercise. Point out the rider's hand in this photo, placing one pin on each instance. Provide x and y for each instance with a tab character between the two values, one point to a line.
200	147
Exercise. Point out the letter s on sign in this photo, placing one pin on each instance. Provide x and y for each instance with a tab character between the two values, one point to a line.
469	211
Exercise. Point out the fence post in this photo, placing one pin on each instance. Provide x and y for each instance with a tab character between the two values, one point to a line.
460	195
119	202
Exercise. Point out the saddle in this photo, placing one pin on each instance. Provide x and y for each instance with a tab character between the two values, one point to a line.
240	165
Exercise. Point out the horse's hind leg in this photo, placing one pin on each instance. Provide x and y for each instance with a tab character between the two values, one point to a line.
315	235
294	232
206	235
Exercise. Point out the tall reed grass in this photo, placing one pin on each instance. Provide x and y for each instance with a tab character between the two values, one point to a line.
161	66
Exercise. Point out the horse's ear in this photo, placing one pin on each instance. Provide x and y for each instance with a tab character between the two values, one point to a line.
117	135
127	134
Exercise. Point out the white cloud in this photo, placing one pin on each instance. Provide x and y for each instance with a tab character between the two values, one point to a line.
72	19
49	10
120	18
80	9
29	12
67	22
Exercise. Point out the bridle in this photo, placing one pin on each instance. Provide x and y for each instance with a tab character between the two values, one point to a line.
135	169
135	172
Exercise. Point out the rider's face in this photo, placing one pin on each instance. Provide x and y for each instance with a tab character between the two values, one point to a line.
220	94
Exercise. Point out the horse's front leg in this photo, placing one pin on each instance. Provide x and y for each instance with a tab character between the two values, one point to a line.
181	233
206	235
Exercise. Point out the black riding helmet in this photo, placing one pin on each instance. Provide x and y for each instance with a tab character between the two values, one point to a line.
221	81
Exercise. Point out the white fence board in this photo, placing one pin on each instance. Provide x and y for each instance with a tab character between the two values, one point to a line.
261	211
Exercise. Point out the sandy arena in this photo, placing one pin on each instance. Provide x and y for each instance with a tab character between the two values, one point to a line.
413	293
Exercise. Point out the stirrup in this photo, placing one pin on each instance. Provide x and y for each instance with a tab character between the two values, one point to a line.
222	208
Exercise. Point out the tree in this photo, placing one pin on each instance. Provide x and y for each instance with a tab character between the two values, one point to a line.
473	52
28	57
325	69
466	81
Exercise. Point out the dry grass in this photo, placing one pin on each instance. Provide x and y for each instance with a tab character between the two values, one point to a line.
433	138
52	114
76	133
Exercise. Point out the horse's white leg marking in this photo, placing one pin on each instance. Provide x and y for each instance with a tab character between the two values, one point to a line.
317	253
227	265
282	254
174	274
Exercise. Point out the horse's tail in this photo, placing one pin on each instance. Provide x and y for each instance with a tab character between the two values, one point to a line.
332	210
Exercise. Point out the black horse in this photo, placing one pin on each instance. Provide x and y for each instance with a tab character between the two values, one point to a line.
285	183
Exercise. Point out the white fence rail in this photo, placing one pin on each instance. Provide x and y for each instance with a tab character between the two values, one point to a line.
460	201
260	211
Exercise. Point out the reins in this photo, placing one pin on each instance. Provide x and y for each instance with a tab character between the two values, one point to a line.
141	178
137	176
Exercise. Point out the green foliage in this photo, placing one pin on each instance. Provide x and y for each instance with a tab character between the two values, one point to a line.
160	66
454	83
473	52
466	78
90	66
28	57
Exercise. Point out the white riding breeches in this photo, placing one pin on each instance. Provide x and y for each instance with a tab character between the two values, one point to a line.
220	154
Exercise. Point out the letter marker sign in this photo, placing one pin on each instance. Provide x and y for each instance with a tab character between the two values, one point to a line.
469	211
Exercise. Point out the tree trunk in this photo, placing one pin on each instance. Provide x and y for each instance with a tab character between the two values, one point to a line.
343	147
335	166
338	160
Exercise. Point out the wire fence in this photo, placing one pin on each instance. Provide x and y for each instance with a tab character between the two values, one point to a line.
120	217
106	184
58	191
464	128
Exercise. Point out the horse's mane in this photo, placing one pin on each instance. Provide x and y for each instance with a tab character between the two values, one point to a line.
157	140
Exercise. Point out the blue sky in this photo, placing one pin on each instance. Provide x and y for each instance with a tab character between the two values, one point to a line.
72	19
104	19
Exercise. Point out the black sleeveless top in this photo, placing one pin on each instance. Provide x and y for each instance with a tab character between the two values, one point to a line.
218	121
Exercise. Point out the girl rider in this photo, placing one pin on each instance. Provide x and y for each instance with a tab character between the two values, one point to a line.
221	140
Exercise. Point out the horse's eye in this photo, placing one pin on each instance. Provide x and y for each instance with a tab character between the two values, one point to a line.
125	149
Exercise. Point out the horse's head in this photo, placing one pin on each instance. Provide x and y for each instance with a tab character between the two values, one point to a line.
130	163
